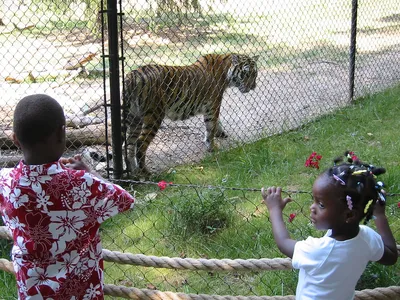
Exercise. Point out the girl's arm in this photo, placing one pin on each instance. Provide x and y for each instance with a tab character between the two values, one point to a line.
382	225
273	199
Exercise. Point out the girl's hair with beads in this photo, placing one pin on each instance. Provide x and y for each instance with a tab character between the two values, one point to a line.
358	180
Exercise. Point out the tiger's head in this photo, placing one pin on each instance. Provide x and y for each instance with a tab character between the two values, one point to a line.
243	72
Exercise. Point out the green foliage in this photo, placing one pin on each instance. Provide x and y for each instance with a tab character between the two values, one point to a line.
7	280
205	212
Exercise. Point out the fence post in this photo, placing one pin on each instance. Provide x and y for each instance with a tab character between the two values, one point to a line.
353	36
112	20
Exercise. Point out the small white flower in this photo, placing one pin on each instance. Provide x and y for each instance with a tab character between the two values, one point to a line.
65	224
80	195
92	292
14	224
17	199
69	262
40	276
43	201
34	180
22	288
105	208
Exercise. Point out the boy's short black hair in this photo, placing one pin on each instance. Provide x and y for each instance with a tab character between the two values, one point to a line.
36	117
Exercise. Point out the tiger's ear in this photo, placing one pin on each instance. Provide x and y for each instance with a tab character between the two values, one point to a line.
255	58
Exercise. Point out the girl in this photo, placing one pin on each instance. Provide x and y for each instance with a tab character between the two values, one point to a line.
343	196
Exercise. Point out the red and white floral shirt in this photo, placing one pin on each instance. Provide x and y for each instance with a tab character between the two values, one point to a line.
54	214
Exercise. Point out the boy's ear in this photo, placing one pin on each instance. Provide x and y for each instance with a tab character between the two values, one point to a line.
61	134
15	140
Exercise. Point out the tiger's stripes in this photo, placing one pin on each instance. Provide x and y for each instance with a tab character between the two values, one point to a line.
153	92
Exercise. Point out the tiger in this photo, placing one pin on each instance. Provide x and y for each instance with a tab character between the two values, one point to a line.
153	92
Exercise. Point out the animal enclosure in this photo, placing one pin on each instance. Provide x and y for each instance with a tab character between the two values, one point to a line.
314	57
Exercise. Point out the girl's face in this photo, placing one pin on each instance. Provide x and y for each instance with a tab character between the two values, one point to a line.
327	210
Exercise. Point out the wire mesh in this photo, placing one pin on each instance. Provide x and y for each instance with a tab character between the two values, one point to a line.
61	48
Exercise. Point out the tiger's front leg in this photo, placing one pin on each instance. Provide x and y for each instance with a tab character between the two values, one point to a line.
211	132
151	124
213	126
133	131
220	132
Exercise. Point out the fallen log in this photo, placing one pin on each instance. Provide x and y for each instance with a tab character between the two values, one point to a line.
94	134
89	135
53	75
78	121
9	161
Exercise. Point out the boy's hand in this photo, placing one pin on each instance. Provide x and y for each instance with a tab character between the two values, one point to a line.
273	198
75	163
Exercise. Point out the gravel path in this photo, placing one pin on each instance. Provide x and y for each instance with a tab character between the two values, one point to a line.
283	99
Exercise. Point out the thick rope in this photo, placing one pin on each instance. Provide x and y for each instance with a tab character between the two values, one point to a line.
198	264
264	264
6	265
388	293
146	294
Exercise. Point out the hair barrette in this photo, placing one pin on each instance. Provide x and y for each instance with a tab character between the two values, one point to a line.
349	202
379	185
359	172
368	205
337	178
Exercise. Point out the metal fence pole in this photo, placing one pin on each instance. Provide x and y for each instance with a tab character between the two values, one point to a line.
353	36
112	18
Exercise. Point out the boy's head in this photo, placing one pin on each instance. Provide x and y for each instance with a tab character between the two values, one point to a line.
39	120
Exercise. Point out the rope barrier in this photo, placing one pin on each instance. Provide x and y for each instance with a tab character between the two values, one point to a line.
389	293
264	264
198	264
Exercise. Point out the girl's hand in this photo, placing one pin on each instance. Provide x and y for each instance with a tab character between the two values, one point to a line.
379	209
75	163
273	198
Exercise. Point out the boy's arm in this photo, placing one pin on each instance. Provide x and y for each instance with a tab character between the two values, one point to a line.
382	225
76	163
273	199
122	198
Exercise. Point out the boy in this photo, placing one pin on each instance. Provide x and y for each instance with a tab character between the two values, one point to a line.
53	208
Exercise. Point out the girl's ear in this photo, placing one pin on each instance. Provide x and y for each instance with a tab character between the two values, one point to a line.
352	216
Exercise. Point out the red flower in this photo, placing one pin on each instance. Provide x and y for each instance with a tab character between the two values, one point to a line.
313	160
398	204
352	156
291	217
163	184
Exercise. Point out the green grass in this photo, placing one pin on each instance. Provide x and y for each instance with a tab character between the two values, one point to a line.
369	127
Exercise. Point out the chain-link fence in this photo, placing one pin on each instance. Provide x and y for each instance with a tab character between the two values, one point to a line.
313	57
